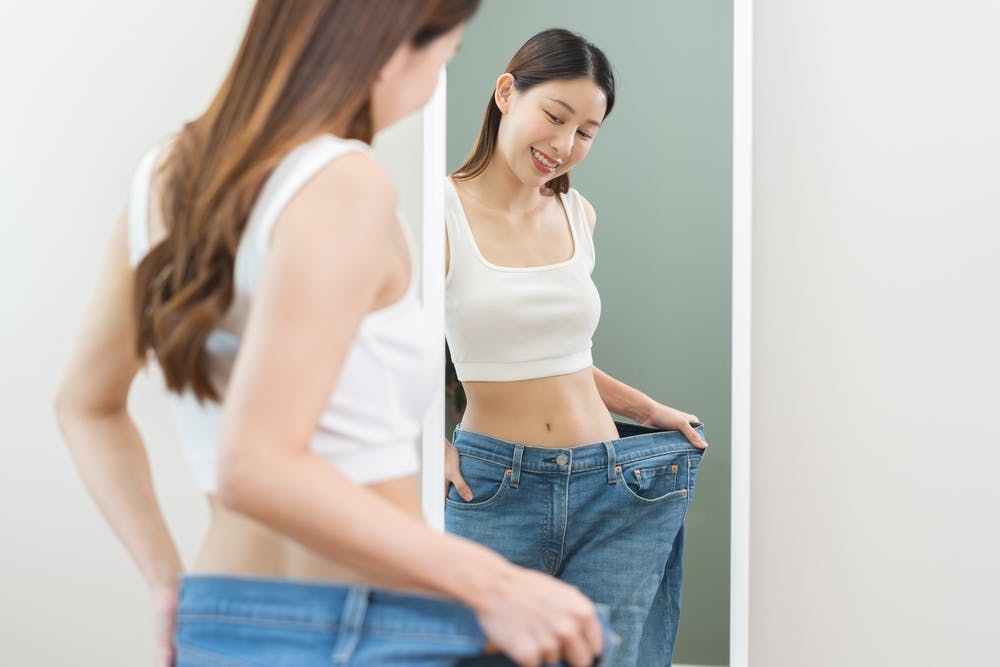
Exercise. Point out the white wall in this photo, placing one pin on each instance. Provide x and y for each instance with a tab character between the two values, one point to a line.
876	333
86	89
876	320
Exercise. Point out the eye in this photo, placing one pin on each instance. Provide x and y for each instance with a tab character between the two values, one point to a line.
553	118
586	136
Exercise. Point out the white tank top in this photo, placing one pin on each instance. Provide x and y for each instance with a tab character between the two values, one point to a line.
518	323
374	416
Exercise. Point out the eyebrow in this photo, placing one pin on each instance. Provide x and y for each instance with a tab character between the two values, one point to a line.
572	111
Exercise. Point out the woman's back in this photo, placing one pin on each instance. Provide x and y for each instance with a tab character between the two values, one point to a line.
369	427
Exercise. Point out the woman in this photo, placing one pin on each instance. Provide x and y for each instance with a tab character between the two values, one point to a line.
539	469
263	262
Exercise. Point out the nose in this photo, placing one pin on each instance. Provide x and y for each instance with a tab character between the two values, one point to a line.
562	144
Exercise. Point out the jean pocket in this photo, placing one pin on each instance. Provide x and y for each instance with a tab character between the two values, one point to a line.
488	480
660	478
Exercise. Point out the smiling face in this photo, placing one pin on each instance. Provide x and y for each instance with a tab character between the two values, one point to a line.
549	128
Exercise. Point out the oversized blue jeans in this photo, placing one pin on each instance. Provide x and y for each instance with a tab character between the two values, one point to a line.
606	517
229	621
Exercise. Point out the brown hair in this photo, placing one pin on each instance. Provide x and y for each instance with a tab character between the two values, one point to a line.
555	53
304	68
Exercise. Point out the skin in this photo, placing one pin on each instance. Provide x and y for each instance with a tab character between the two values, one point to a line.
516	222
281	510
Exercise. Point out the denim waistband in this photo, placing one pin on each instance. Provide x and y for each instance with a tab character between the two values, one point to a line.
347	610
634	443
289	602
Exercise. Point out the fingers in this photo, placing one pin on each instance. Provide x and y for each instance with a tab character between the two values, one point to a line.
453	473
462	488
577	647
693	437
593	631
577	632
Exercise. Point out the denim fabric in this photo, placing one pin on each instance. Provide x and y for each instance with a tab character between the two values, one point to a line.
606	517
228	621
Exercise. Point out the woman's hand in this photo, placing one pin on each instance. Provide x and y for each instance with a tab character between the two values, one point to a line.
164	602
453	472
535	619
663	416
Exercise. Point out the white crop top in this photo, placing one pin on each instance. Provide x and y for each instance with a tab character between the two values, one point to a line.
516	323
370	426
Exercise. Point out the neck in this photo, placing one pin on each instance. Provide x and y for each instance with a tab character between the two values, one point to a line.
499	188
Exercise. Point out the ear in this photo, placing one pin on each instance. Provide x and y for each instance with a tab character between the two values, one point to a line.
503	90
396	64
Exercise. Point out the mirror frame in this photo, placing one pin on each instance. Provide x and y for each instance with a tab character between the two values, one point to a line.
432	452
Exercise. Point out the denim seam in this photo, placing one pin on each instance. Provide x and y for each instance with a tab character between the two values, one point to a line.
565	524
442	637
575	470
216	659
495	498
677	493
257	620
547	554
352	622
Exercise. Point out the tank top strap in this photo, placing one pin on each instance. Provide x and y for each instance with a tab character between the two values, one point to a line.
454	222
291	174
138	206
300	165
577	213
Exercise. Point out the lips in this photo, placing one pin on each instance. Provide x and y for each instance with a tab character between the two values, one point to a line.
543	162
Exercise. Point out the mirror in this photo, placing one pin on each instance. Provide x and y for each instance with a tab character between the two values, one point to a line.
659	176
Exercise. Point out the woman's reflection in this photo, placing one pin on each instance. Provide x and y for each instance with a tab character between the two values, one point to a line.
539	470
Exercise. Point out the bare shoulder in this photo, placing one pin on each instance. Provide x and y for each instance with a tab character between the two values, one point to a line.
349	203
356	180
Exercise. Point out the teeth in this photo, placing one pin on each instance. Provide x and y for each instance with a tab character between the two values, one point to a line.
544	160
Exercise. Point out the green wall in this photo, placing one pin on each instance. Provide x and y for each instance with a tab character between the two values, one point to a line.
659	176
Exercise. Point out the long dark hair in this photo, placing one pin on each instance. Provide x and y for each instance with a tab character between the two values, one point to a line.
555	53
304	68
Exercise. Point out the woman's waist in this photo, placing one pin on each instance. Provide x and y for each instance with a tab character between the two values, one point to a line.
556	411
237	545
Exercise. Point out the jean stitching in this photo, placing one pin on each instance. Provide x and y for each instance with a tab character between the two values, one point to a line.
624	456
352	624
203	655
256	620
677	493
437	637
590	468
565	524
504	485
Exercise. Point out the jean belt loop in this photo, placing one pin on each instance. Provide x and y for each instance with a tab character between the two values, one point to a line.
612	466
352	622
515	475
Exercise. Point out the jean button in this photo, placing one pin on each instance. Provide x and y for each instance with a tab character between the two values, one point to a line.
562	459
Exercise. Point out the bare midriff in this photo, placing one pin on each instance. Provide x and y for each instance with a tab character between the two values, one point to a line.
558	411
237	545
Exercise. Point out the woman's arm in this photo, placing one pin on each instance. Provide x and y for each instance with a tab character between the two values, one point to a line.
329	254
103	439
622	399
627	401
104	442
